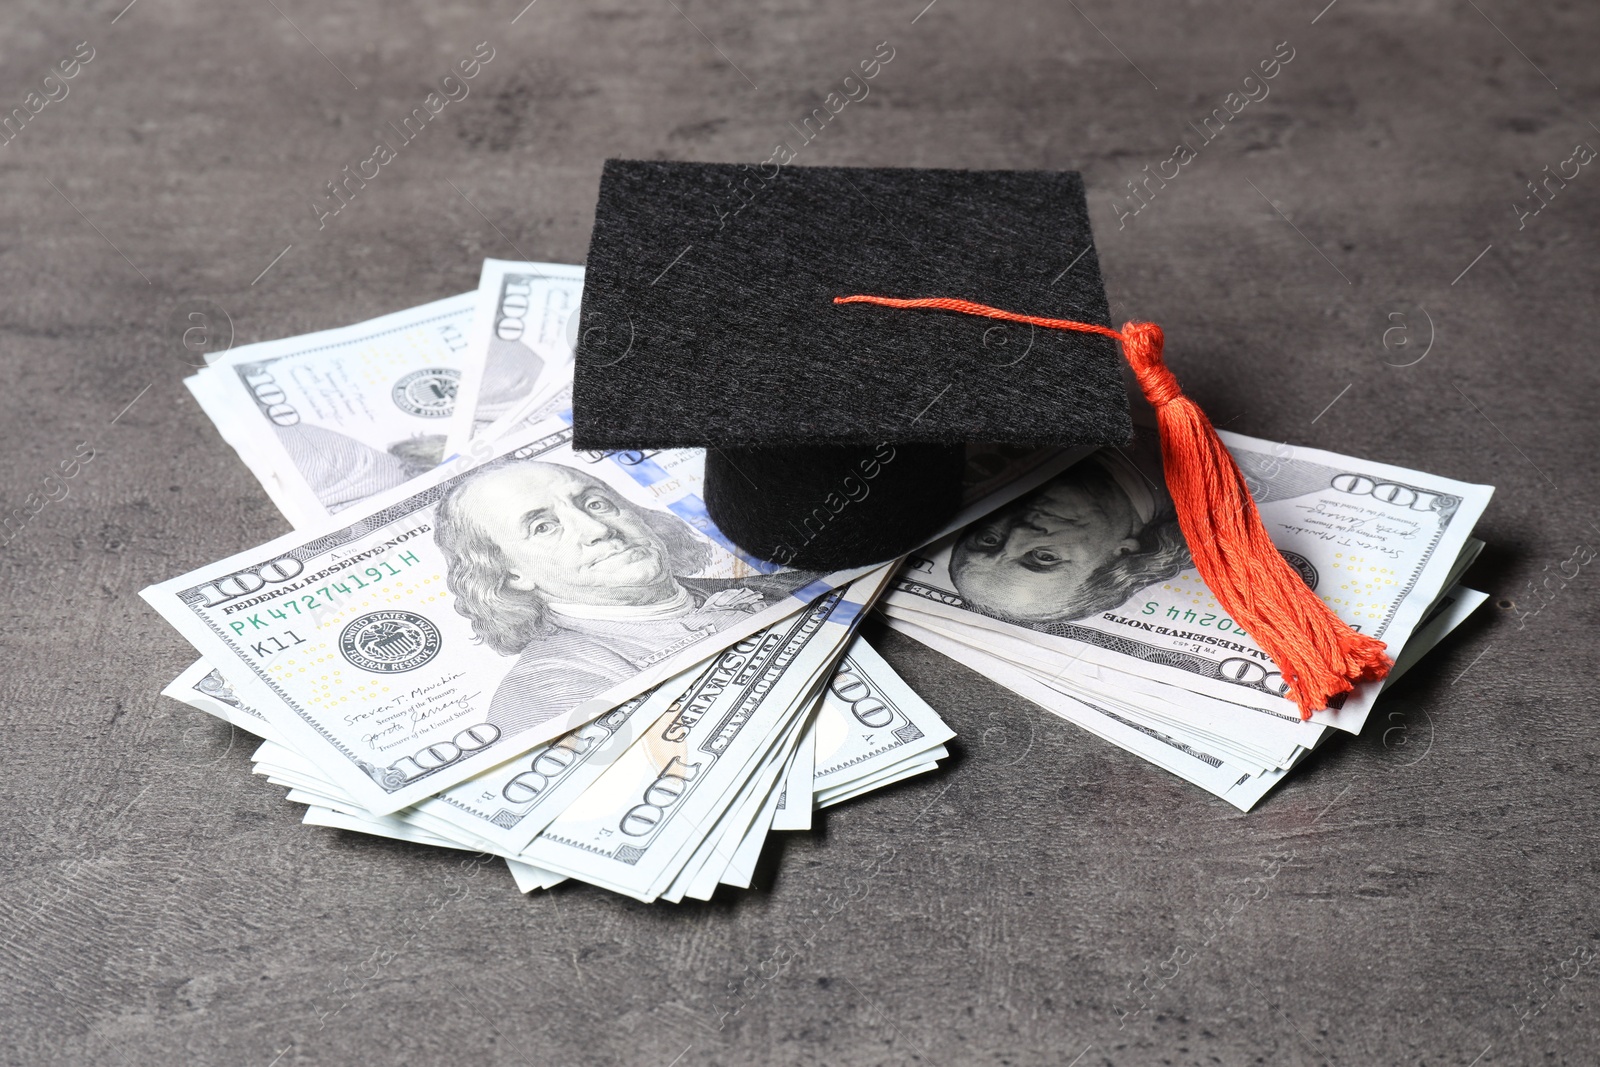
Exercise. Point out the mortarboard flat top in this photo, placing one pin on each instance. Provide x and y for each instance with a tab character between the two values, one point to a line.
708	321
708	317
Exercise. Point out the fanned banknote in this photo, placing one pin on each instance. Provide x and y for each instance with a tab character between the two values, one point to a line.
327	420
1175	747
630	829
871	726
870	719
1093	569
521	344
467	617
1081	596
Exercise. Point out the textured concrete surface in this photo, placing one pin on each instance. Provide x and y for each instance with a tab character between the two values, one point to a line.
1046	897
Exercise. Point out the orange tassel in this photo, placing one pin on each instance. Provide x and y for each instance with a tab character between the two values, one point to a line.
1318	655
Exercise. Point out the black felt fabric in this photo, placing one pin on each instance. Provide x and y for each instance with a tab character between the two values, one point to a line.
827	507
707	314
708	321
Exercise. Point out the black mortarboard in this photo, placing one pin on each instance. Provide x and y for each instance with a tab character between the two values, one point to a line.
835	434
763	317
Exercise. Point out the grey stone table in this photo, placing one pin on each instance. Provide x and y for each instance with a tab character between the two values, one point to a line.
1046	899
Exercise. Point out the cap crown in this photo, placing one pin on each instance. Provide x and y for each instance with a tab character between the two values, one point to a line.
708	315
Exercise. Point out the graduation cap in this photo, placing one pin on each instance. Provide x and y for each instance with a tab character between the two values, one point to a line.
771	318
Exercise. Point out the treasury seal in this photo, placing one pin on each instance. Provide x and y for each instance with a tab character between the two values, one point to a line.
1303	567
389	642
429	393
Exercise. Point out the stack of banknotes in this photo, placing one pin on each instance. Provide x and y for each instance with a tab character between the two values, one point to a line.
1082	597
480	638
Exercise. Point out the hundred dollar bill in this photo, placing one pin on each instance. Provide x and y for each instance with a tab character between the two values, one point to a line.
767	659
638	825
898	773
376	825
743	816
508	806
741	865
1251	734
867	753
793	808
1171	746
327	420
1241	735
281	766
520	346
875	772
869	719
1256	736
460	621
872	729
871	722
1168	750
499	811
1092	565
1237	732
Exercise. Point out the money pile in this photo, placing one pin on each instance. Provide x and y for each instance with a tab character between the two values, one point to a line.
480	638
1082	597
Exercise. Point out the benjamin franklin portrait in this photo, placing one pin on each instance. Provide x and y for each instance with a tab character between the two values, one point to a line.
585	588
1082	543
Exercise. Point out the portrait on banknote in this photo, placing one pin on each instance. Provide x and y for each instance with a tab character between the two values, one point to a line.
1082	543
585	588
